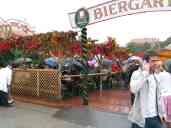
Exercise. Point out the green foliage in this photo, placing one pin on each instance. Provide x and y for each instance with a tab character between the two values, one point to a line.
134	46
6	57
165	43
37	59
17	53
146	46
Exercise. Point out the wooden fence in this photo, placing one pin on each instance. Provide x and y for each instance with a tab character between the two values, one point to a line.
44	83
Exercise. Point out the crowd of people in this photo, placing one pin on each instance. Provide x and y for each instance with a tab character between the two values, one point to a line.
149	81
151	94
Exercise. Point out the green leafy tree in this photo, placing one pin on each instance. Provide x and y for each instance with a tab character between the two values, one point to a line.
134	47
146	46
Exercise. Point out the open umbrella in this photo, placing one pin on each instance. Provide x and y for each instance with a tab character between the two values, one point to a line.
107	62
72	62
22	60
77	63
92	63
132	58
52	61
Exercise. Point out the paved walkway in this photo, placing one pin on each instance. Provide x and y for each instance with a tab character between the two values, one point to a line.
31	116
108	100
24	115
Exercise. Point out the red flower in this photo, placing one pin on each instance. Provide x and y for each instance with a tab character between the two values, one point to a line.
109	55
90	53
99	50
5	46
56	53
32	45
76	49
115	68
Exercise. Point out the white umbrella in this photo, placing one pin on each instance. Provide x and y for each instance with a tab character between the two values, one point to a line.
134	58
22	60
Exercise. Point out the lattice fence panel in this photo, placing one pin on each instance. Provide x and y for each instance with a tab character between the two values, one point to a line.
36	83
49	85
24	82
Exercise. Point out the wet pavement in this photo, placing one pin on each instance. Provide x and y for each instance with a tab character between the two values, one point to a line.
87	116
107	100
24	115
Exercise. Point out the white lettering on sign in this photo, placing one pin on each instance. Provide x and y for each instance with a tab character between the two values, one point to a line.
117	8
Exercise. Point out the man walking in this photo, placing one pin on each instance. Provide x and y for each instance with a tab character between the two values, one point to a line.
144	83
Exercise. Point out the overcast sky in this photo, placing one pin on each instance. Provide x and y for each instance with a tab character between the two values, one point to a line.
49	15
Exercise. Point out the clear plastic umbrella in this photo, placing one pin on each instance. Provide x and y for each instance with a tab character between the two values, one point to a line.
22	60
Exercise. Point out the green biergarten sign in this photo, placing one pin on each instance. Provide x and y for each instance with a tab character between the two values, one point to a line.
82	18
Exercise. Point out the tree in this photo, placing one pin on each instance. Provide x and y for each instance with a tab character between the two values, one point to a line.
166	42
134	47
146	46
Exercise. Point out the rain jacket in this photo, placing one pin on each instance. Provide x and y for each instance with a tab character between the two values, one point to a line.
135	114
